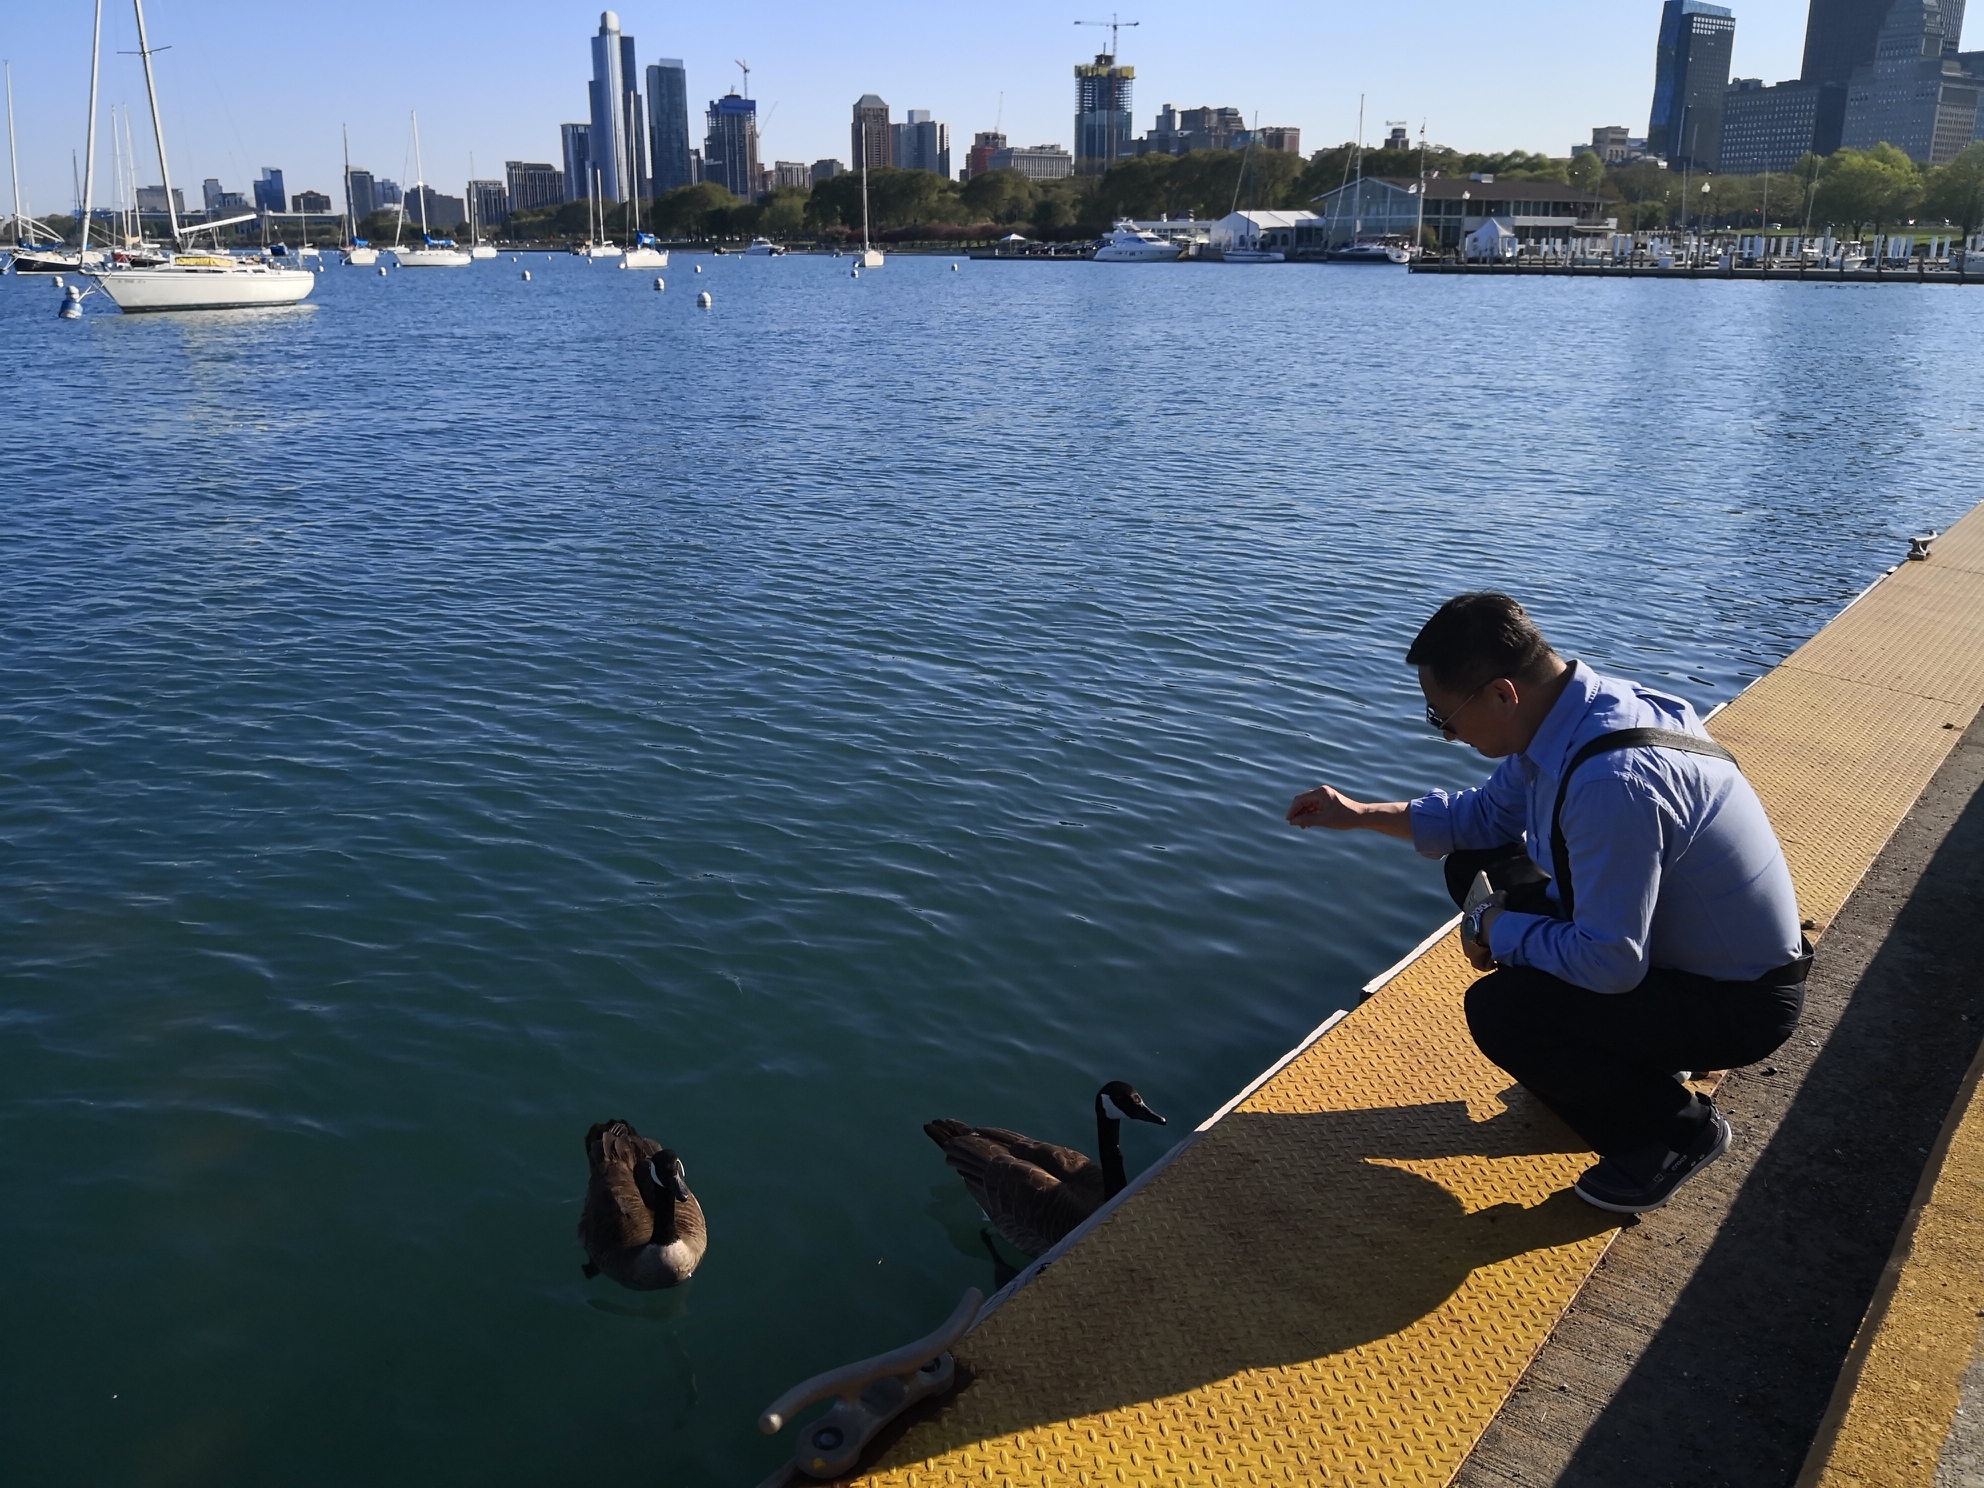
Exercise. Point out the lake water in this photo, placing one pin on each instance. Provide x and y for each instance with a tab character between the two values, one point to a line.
464	709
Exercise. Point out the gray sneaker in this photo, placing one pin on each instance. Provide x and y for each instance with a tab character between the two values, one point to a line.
1608	1185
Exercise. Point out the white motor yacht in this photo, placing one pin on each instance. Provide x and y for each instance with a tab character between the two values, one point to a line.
1128	244
1367	251
763	248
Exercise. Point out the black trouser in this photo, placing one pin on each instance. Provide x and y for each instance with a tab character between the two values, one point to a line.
1605	1061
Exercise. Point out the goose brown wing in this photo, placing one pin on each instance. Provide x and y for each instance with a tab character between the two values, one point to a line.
1064	1163
1029	1205
615	1215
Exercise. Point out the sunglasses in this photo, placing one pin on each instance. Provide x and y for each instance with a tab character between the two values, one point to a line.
1445	725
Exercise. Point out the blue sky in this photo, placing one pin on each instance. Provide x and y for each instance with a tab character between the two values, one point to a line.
245	87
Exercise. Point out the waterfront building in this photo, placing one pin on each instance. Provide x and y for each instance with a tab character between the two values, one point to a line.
152	199
489	203
1613	144
575	141
730	148
1102	113
361	194
1916	94
984	145
1839	36
921	143
1176	131
532	183
794	173
444	213
670	146
870	138
316	203
1035	162
389	191
826	170
211	195
1254	229
1389	207
1691	74
1769	128
1283	139
615	147
269	195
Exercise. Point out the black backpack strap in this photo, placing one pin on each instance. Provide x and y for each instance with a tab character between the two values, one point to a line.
1634	738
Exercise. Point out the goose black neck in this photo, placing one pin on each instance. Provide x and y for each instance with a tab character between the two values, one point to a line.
1108	1135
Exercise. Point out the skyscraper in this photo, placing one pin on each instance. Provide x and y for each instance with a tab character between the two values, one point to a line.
1915	94
730	150
921	143
618	147
870	139
269	195
668	125
984	144
533	184
361	195
1691	73
1839	36
1102	114
576	142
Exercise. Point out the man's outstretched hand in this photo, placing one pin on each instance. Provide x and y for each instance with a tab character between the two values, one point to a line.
1326	806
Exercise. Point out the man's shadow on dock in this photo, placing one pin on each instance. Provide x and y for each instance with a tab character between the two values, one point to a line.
1278	1239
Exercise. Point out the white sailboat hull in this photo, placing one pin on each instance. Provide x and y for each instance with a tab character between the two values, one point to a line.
237	287
482	250
600	250
644	258
361	258
870	258
432	258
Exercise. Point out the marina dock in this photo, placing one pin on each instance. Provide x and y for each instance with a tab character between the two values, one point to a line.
1368	1267
1803	273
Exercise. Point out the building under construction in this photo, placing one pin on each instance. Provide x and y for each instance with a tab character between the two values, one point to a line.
1102	114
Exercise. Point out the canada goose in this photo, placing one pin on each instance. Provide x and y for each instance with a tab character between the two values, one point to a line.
1035	1193
640	1224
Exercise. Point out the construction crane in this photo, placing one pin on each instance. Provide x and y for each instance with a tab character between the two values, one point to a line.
1114	26
745	68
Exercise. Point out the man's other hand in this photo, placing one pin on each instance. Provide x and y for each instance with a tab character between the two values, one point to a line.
1477	952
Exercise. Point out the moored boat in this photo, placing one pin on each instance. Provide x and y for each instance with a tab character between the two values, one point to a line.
1130	244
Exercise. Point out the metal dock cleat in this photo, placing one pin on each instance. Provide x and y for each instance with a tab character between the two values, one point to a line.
873	1392
1918	547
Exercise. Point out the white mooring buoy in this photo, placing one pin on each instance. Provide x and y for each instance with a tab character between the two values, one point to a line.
659	284
954	268
703	300
71	307
382	271
856	273
526	273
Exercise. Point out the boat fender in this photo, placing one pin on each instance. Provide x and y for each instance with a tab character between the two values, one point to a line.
703	300
658	284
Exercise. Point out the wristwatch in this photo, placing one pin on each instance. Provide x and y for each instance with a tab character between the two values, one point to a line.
1470	924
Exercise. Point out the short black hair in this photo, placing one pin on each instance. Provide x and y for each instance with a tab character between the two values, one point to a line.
1474	638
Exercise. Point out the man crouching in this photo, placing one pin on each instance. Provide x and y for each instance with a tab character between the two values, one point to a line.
1642	923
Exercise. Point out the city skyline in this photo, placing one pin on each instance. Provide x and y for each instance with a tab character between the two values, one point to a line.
235	106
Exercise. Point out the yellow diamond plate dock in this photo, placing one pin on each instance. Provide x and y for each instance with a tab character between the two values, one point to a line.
1341	1277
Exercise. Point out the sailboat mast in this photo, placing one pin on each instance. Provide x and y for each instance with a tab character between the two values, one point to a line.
158	124
1358	225
12	162
419	173
350	222
864	187
89	147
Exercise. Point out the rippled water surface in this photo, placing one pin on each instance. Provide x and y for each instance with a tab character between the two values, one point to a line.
463	709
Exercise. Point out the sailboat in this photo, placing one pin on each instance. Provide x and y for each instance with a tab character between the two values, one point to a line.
871	256
434	253
477	248
1249	251
598	244
27	256
641	253
357	252
1363	250
194	281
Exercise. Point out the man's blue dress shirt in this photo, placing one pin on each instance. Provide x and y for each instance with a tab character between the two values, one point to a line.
1674	861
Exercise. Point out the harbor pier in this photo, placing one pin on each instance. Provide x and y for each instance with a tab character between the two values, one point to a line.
1368	1267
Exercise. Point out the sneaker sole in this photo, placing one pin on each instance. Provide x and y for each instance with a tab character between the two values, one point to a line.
1611	1206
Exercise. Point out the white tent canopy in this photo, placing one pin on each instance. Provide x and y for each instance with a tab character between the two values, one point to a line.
1493	239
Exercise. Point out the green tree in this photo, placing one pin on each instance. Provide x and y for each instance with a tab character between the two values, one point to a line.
1586	171
782	213
1867	186
1955	192
1003	196
698	211
1647	191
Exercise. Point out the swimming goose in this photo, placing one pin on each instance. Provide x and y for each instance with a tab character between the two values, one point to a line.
640	1224
1036	1193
